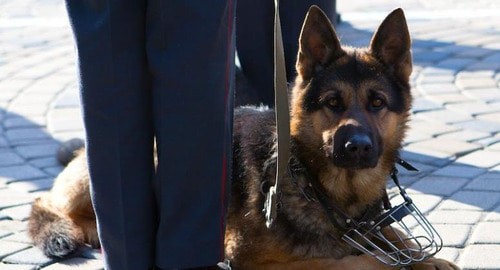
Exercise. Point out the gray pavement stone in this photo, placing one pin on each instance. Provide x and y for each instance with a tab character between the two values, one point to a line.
461	171
444	116
431	128
20	172
451	98
5	266
453	235
475	83
464	135
54	171
426	202
450	147
480	125
21	212
471	200
494	117
486	233
12	225
454	217
44	162
480	257
424	104
90	253
448	253
10	198
437	88
29	256
26	134
37	151
32	185
481	158
7	248
493	215
474	108
9	158
425	156
76	263
19	237
445	186
487	182
22	122
486	95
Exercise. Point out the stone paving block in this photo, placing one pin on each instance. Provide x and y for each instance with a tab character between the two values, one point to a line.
451	147
448	253
430	56
437	71
54	171
31	110
432	79
414	136
44	162
21	212
474	108
431	128
65	119
480	125
486	95
7	248
450	98
485	142
20	172
23	122
8	158
68	98
438	185
486	233
37	151
19	237
13	225
444	116
90	253
485	182
10	198
493	215
76	263
426	202
426	156
481	158
465	135
475	83
453	235
471	200
424	104
24	134
437	88
4	233
29	256
454	217
480	257
5	266
493	117
455	64
460	171
32	185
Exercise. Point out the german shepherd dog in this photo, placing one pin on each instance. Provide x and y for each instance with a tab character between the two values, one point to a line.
349	114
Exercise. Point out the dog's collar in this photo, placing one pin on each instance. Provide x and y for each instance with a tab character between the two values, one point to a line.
313	192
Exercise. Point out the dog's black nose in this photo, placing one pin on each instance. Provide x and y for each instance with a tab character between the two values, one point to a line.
359	146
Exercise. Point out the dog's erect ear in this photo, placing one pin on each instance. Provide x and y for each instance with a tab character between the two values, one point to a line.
391	44
318	43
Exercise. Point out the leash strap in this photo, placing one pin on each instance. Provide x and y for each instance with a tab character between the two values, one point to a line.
282	119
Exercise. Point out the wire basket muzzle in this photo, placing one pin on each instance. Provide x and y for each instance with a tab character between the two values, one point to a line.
399	236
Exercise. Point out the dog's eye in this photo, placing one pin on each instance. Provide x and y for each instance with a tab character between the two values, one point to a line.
335	104
377	104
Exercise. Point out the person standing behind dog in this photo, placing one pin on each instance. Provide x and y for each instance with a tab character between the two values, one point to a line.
161	69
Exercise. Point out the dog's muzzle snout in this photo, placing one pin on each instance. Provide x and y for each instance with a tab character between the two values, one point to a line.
359	146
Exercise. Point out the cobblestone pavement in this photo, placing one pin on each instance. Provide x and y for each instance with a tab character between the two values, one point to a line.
454	138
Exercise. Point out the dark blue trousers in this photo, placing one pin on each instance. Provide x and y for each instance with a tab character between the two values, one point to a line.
164	69
255	39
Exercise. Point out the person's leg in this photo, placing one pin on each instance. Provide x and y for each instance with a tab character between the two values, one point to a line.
255	39
190	47
116	99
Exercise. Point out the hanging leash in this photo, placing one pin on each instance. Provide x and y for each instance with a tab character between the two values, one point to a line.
282	111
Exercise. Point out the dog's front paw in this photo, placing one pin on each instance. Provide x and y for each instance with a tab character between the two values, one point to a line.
435	264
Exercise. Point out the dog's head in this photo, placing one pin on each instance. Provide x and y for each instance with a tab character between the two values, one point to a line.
350	106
